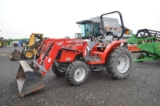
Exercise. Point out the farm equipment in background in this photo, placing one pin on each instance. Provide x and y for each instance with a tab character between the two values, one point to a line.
74	58
3	42
147	43
18	42
93	26
31	50
15	42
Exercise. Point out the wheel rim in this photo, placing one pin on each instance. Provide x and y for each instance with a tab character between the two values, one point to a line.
123	63
79	74
29	54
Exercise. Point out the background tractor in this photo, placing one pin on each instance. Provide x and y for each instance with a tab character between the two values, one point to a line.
18	42
146	43
15	42
29	51
75	58
3	42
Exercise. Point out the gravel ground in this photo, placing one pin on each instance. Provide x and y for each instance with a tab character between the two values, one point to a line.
141	88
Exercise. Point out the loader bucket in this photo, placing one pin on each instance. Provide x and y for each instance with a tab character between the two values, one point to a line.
28	80
15	55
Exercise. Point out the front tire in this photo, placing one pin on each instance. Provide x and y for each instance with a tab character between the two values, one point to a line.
28	54
77	73
118	63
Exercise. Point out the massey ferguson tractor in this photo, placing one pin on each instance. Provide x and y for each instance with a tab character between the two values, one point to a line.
96	50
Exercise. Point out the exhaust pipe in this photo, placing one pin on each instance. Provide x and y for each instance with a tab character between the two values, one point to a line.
28	80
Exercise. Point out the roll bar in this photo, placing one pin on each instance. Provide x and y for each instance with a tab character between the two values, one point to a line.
121	19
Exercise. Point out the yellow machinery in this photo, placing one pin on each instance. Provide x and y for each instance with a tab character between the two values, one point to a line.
3	42
31	50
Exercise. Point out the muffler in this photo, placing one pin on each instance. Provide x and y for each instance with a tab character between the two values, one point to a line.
28	80
15	55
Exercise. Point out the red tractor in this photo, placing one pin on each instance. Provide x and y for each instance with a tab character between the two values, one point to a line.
74	58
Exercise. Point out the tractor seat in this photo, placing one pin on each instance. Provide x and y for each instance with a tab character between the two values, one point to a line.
108	39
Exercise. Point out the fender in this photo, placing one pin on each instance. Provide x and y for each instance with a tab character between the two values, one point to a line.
110	47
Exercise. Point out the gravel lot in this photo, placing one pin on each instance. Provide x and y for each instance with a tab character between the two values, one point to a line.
141	88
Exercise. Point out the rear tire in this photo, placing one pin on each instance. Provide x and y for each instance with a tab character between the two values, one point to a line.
77	73
28	54
118	63
1	43
57	71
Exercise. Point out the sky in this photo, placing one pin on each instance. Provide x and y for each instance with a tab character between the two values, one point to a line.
57	18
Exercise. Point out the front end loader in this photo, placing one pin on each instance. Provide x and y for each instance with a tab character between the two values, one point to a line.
30	77
30	51
75	58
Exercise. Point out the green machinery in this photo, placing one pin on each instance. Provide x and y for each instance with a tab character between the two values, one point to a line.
18	42
15	42
148	43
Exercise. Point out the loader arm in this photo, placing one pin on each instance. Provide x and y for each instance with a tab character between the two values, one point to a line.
50	52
